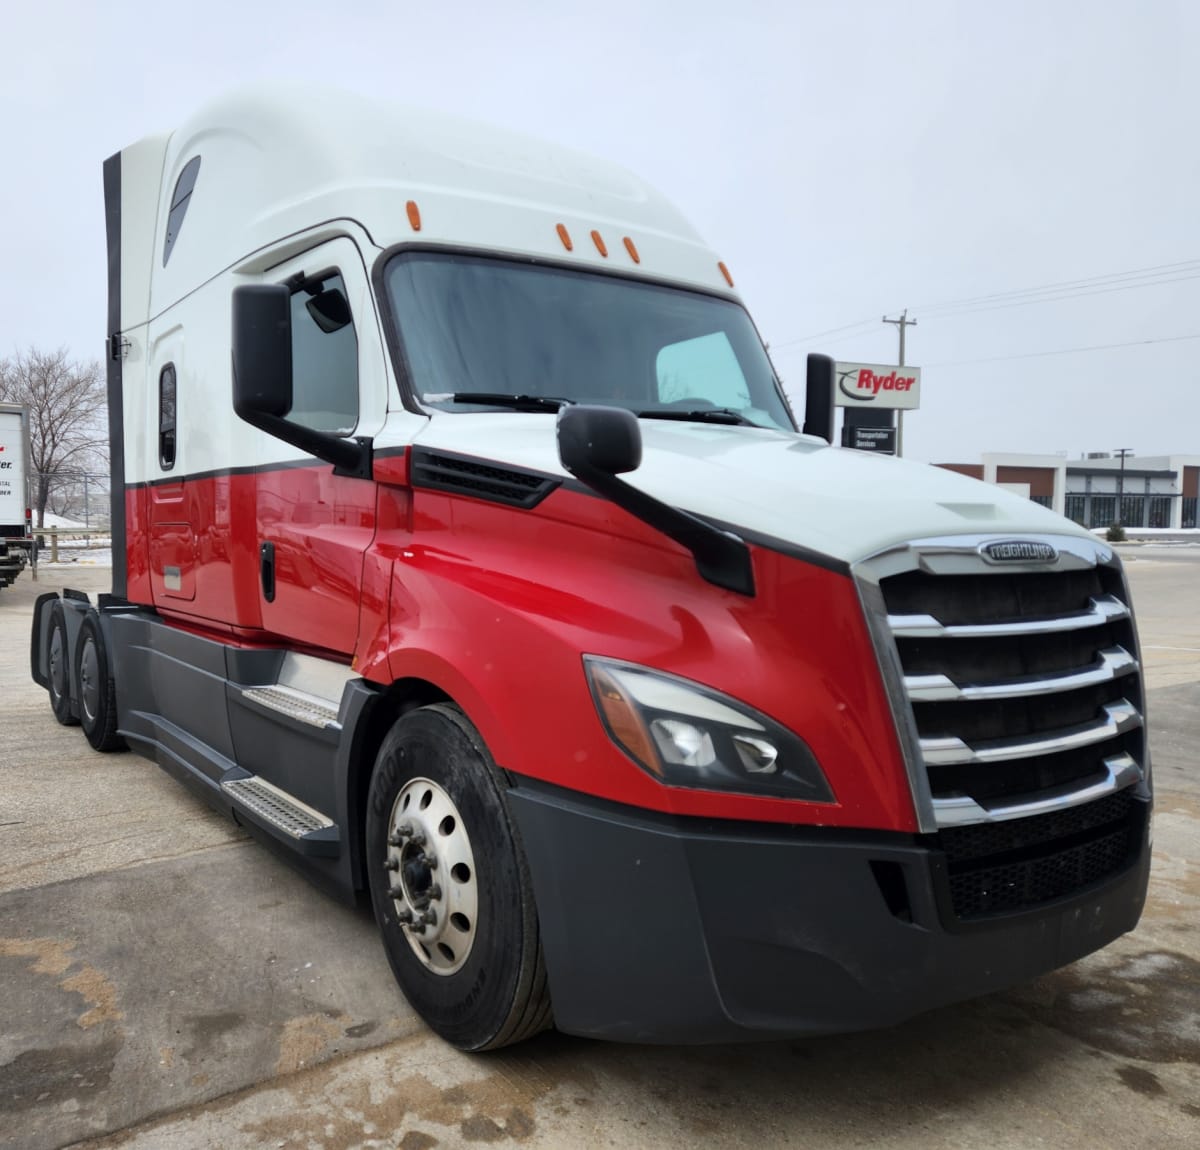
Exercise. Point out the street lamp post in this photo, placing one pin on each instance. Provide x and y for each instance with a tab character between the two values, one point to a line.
1122	452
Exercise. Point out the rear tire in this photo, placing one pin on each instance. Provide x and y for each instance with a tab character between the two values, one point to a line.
450	886
97	691
58	667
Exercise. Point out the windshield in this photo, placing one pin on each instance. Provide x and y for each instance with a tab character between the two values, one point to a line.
476	325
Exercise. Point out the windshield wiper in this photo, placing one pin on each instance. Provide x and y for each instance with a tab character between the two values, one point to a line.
499	399
703	415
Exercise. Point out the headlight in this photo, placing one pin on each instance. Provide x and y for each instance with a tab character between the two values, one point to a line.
690	736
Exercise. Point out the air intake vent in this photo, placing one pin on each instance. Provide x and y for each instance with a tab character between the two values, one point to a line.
465	475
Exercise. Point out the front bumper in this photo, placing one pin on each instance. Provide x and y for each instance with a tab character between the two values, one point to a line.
663	929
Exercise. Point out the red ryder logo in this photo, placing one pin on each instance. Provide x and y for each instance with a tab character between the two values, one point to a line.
878	384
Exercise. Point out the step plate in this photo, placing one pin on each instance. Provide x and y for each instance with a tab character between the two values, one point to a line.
296	704
277	807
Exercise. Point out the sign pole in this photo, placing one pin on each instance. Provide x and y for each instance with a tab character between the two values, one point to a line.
901	323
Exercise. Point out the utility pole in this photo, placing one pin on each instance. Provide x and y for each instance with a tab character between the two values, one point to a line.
1121	452
901	323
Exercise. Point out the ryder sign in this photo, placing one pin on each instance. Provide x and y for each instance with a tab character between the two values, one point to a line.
877	385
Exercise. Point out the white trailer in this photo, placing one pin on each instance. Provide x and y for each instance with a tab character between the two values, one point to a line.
15	537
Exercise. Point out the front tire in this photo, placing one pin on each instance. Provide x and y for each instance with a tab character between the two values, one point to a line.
450	886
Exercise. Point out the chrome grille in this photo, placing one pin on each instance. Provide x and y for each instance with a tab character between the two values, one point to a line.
1018	698
1017	685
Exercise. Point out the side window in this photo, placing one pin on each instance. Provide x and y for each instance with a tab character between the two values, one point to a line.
166	417
324	356
702	368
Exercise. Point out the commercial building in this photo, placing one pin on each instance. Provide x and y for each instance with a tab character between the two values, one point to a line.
1137	491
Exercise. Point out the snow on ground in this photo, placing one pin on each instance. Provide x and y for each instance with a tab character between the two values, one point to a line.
76	557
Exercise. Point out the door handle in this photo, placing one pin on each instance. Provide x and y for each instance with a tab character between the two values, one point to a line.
266	570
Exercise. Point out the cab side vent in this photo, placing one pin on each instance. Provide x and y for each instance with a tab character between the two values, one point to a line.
466	475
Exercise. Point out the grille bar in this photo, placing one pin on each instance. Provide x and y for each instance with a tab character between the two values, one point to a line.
960	810
1102	609
1111	664
1119	717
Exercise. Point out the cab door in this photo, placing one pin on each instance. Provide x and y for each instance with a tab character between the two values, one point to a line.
314	526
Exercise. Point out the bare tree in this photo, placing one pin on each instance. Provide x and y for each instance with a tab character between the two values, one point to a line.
67	428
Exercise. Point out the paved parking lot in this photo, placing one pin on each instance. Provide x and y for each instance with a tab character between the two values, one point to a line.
164	982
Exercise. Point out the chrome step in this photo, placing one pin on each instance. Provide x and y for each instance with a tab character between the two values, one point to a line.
277	807
948	750
297	704
960	810
1104	609
1113	662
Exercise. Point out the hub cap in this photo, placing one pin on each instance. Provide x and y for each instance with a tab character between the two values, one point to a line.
431	876
89	680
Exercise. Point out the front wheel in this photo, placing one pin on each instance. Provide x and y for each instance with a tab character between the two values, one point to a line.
450	885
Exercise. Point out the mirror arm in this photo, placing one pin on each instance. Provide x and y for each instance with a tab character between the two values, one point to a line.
721	557
351	458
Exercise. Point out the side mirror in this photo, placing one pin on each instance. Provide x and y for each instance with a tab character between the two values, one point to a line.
607	440
262	351
596	444
818	397
262	378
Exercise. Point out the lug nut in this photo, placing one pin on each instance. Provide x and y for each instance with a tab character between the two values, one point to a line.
404	917
395	892
434	892
391	864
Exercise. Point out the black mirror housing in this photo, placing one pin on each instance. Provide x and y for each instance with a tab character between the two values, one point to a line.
262	351
818	399
603	439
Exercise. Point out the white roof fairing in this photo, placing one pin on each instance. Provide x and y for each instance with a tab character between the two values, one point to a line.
279	161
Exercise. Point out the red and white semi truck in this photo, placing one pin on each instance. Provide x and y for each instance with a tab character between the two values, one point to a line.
467	551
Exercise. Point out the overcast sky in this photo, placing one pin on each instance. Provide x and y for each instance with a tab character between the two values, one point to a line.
846	159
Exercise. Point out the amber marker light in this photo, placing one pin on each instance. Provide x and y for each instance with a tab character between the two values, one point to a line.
725	273
633	252
598	240
414	215
623	719
565	236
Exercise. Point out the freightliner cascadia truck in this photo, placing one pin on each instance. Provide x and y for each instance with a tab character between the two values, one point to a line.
15	533
468	552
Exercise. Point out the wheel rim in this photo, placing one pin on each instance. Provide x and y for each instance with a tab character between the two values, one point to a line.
430	871
89	680
58	664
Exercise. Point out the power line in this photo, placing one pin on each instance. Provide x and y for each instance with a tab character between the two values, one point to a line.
1153	276
820	334
1064	351
947	313
1086	281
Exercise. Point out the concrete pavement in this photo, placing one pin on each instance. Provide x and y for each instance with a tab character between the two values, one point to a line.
164	982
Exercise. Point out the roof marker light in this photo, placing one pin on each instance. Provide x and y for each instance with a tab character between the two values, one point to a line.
633	252
565	236
414	215
598	240
725	273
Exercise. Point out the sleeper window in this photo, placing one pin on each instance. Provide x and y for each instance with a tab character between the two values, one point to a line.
166	417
